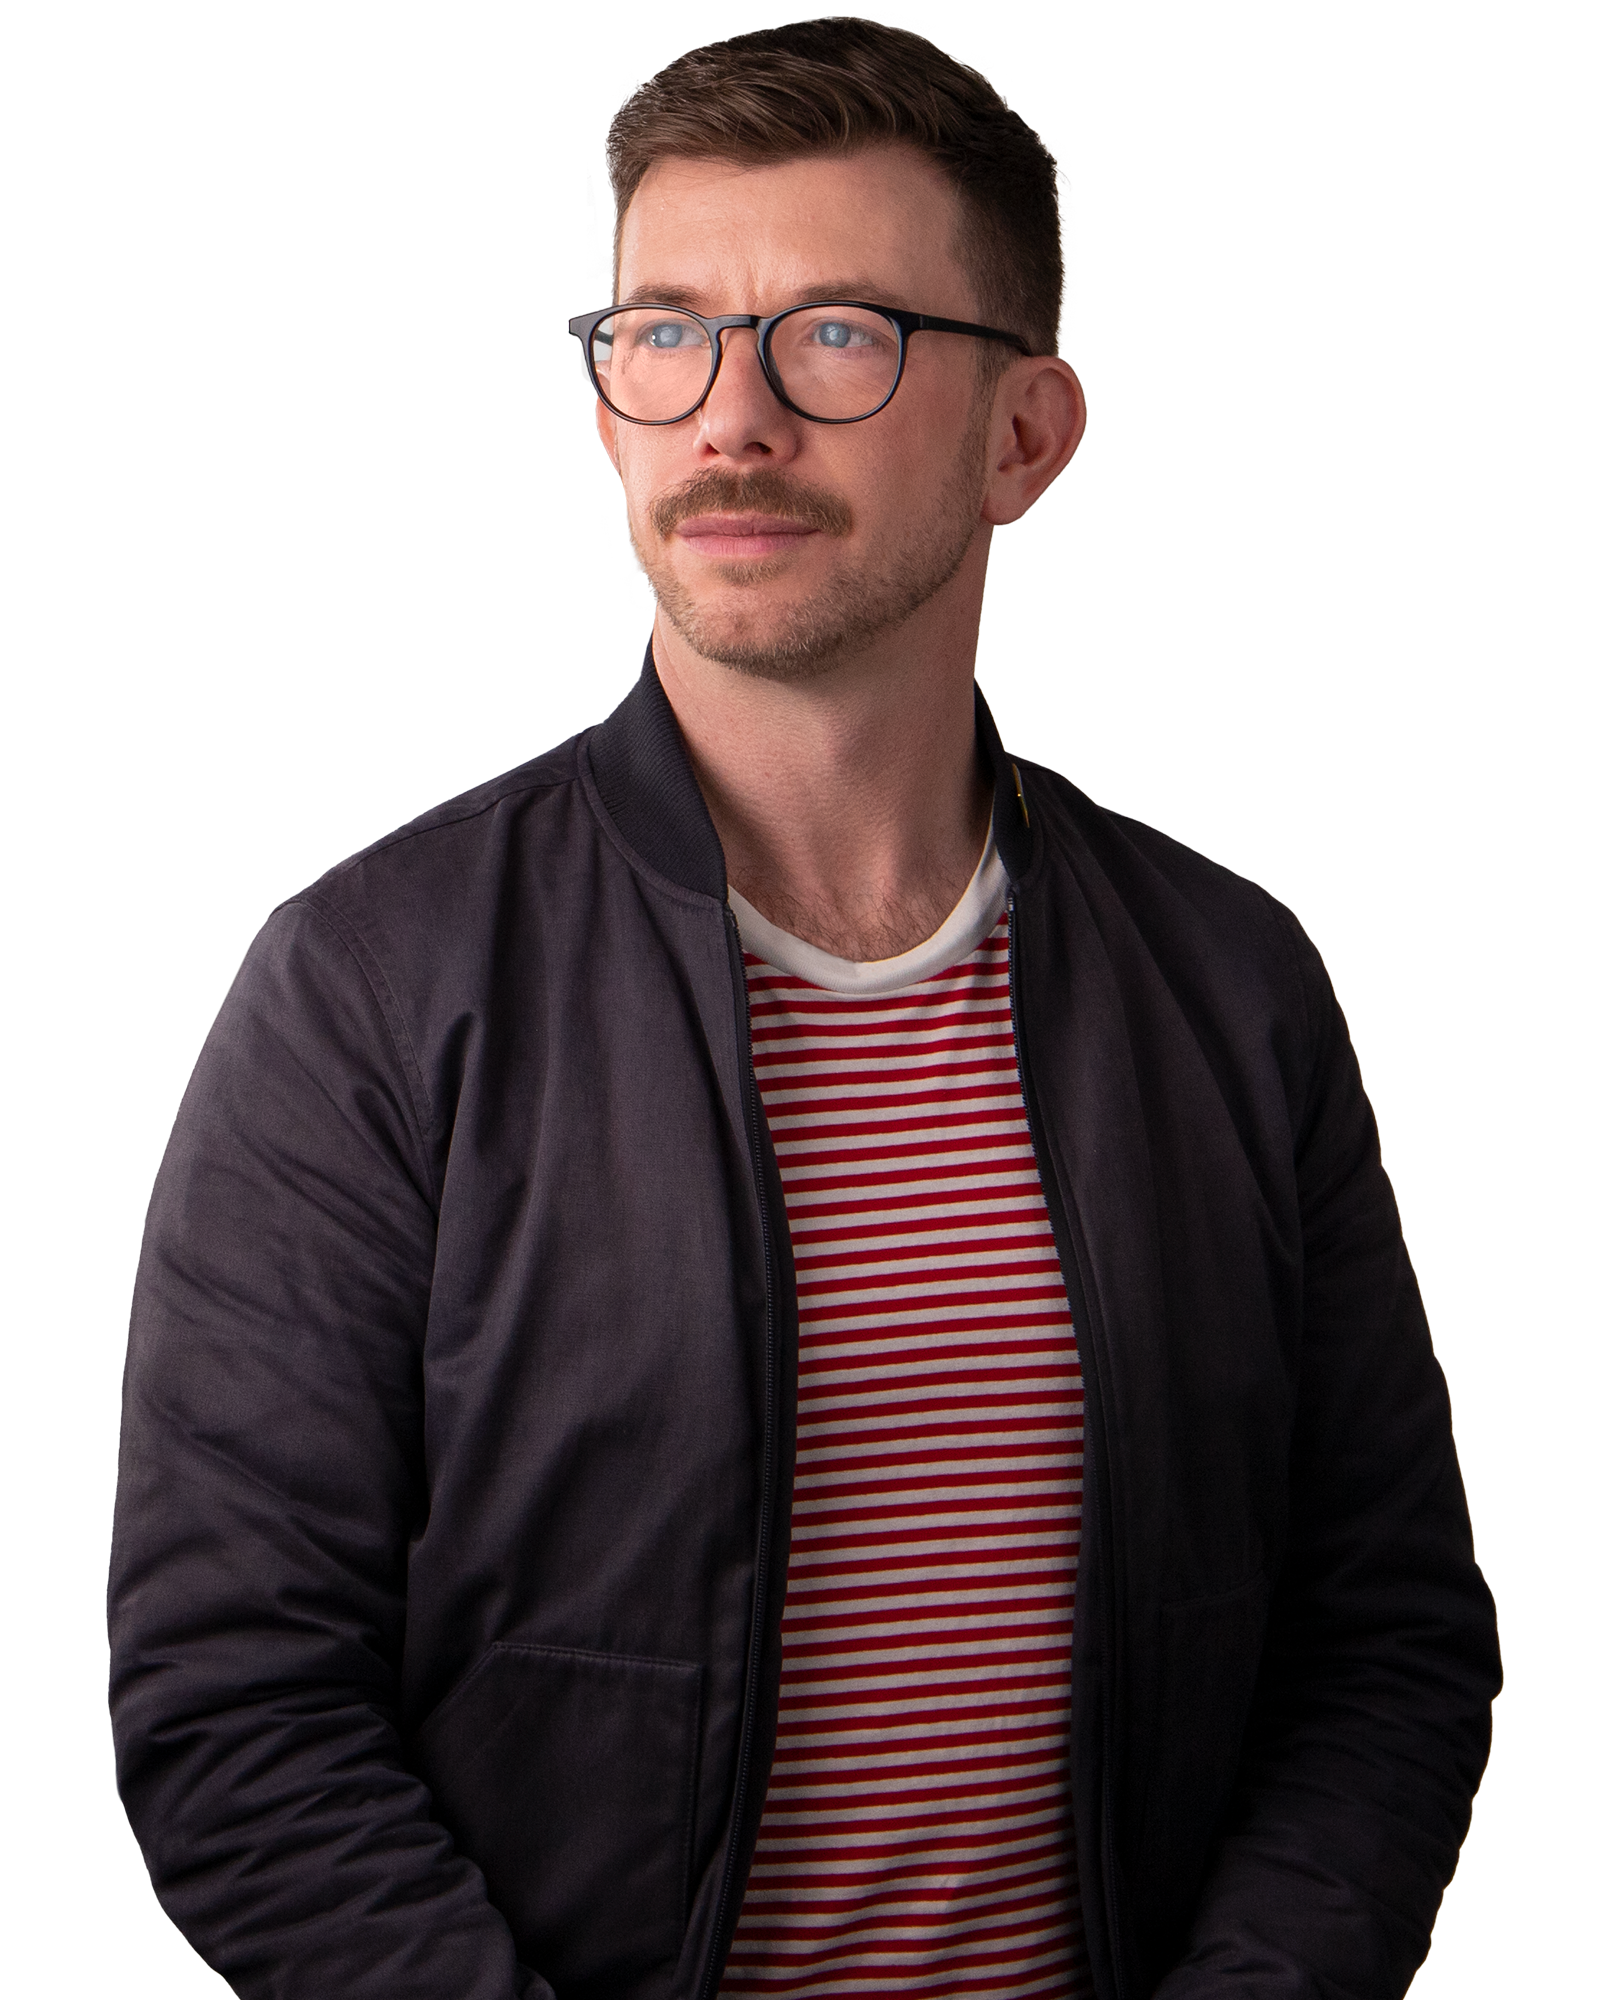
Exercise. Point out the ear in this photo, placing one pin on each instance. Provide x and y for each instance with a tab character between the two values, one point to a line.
1038	418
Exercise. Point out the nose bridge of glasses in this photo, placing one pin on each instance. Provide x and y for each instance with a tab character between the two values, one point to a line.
729	324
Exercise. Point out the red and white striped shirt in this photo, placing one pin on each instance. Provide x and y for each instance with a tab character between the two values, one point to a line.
916	1838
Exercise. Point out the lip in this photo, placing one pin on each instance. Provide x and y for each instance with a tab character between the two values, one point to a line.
748	535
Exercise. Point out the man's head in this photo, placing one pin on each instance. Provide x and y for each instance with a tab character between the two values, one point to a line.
835	87
835	160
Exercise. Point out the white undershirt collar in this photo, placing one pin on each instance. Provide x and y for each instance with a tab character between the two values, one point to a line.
966	927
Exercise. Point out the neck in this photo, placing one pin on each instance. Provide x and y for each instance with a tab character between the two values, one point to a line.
852	805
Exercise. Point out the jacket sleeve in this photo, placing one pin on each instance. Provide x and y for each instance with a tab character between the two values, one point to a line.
1370	1724
271	1478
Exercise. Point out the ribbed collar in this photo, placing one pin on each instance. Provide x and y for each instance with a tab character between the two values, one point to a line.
642	772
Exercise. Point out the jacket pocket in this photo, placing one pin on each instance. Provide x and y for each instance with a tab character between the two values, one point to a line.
1210	1658
568	1777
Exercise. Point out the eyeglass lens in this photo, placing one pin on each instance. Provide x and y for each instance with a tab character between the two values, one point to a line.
831	361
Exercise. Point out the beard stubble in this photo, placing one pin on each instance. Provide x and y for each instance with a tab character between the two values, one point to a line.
858	603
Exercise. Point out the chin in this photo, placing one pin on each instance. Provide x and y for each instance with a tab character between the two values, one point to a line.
773	635
758	618
788	643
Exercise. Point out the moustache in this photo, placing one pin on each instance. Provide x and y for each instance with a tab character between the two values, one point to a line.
760	492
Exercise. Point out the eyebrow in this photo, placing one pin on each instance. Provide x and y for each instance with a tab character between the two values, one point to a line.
868	290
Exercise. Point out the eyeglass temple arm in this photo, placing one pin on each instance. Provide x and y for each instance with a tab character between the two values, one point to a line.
926	323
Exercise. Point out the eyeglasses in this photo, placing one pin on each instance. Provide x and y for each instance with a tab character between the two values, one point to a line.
833	363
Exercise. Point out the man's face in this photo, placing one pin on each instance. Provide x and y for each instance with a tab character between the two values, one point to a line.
774	544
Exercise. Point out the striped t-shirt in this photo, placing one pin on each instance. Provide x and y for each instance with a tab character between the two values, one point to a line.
916	1838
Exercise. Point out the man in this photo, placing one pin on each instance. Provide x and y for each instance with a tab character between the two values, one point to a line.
772	1354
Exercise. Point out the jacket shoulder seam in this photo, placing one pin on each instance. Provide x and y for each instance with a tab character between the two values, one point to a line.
379	985
444	818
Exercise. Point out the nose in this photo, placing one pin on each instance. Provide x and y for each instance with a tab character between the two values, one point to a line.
742	419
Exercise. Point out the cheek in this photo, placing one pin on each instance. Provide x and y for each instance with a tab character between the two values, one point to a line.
637	455
903	474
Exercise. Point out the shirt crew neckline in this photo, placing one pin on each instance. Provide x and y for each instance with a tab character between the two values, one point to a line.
966	927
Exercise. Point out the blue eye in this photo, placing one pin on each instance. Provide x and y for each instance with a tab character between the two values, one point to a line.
832	333
665	334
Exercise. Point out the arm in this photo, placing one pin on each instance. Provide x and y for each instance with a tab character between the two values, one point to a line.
271	1478
1370	1725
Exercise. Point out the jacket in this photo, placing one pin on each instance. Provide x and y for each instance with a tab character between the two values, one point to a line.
460	1404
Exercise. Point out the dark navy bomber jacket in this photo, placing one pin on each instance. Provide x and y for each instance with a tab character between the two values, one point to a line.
459	1416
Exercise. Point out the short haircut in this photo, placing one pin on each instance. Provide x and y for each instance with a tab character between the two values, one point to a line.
838	85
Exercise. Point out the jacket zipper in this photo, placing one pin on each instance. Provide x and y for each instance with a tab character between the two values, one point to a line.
1094	1451
758	1608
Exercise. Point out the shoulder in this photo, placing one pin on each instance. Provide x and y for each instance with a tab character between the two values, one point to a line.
1131	853
1167	911
446	871
1142	862
458	832
423	916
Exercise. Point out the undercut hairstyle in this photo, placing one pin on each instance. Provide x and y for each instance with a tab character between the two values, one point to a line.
837	86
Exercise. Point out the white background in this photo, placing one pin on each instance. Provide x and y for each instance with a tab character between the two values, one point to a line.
303	528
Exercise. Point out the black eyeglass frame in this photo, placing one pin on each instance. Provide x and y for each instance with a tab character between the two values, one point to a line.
584	327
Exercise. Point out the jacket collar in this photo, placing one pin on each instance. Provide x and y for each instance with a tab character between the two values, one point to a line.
643	776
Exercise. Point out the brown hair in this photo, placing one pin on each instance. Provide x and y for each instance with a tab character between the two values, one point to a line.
834	86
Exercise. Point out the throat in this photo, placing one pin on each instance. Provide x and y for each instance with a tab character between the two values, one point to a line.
865	916
862	931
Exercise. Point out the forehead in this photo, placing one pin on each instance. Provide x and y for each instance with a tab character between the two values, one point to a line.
881	222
